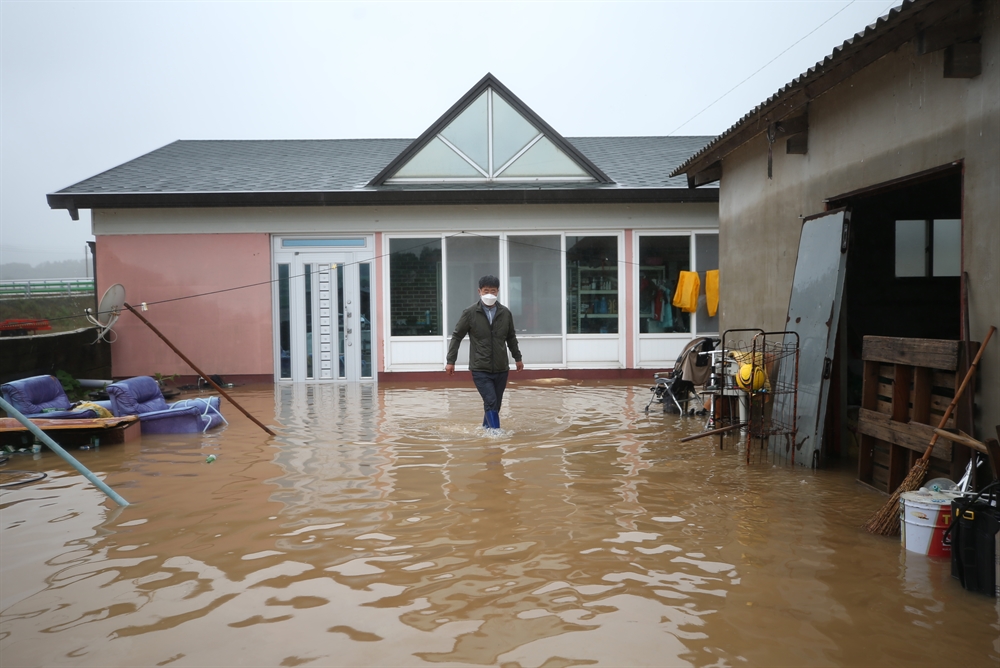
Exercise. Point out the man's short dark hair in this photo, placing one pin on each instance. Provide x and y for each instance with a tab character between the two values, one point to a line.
489	281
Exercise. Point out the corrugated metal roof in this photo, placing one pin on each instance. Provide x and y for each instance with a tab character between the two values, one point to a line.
343	165
871	33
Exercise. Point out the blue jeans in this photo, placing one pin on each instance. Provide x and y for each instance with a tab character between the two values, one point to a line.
491	387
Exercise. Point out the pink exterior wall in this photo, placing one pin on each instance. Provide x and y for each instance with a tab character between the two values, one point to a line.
228	334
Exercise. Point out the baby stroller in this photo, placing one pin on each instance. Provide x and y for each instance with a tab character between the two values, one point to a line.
676	388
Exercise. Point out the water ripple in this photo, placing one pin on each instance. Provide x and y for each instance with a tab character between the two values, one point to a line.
384	526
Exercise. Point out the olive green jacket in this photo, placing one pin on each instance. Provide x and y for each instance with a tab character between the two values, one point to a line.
487	343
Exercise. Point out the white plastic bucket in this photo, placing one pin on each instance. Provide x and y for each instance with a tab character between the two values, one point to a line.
924	518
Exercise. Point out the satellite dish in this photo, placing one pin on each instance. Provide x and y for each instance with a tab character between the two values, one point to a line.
108	310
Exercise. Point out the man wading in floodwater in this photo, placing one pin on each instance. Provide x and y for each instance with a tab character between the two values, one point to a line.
490	327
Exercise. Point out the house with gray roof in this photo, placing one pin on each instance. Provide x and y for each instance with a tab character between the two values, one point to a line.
327	260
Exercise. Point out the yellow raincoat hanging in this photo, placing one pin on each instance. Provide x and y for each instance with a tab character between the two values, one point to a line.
712	292
686	295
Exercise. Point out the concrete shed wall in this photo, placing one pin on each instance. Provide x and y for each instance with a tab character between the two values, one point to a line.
895	118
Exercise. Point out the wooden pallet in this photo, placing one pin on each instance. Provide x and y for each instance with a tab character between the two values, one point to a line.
72	432
908	384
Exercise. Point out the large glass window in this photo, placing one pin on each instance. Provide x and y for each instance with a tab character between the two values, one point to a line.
706	258
511	132
415	287
928	248
543	159
535	291
490	139
911	248
592	285
469	259
309	320
661	259
365	271
947	248
341	335
438	161
284	322
468	132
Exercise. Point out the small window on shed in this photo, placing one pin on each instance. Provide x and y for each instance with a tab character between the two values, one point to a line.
926	248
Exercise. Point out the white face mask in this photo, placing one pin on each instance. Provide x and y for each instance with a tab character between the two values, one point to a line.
488	299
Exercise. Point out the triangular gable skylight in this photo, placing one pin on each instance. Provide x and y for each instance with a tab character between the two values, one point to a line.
490	136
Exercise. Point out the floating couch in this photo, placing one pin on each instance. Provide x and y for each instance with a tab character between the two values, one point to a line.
142	396
44	397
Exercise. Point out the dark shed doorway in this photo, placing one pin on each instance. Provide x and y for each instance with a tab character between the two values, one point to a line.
903	278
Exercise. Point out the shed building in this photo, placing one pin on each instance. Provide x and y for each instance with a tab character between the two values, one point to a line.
900	125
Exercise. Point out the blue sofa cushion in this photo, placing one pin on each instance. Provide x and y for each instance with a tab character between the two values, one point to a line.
136	396
31	396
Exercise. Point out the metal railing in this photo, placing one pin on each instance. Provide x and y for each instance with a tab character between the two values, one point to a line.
48	287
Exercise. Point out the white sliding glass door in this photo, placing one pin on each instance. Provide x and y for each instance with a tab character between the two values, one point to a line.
323	309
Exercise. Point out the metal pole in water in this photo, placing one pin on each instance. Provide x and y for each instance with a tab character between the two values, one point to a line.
55	447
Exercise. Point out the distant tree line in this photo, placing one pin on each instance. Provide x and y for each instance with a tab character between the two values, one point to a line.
62	269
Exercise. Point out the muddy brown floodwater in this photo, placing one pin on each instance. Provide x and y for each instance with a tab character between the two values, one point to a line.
382	528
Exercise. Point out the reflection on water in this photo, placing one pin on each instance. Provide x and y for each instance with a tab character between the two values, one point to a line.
383	527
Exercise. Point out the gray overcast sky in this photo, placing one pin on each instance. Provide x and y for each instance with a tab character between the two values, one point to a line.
85	86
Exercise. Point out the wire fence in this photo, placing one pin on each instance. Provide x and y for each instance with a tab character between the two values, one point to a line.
49	287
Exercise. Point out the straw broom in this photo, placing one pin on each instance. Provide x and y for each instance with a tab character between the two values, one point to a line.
885	522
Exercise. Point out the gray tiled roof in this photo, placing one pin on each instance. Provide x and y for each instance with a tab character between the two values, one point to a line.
346	165
640	162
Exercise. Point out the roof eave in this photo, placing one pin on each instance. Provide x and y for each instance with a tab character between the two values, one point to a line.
76	201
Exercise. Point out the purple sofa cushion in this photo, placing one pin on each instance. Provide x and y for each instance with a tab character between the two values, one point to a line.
187	416
136	396
32	396
182	420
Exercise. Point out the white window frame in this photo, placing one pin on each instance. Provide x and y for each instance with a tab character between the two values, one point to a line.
695	332
279	253
619	235
494	173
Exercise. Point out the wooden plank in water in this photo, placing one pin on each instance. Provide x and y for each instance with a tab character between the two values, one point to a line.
899	465
901	393
880	478
11	424
881	458
921	398
110	431
910	435
944	383
933	353
874	487
866	456
711	432
869	397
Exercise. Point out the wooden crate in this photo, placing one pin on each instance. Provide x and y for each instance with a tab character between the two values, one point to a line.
908	385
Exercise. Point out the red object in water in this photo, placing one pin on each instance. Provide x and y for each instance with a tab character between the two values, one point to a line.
18	326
